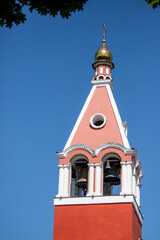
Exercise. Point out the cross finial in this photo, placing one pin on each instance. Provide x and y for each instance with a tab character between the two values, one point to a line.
104	31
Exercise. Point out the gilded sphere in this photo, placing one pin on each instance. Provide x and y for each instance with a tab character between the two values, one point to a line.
103	53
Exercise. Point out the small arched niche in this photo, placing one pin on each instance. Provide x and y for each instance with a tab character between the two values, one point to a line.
79	176
111	174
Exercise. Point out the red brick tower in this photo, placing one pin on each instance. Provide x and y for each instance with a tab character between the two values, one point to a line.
99	174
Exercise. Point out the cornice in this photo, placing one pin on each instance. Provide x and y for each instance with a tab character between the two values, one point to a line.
97	151
94	65
102	82
76	147
116	146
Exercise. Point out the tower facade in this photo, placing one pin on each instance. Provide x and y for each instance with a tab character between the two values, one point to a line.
99	173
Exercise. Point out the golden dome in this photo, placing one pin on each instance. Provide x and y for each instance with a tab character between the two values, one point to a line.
103	53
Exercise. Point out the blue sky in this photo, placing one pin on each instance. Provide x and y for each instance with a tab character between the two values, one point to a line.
45	78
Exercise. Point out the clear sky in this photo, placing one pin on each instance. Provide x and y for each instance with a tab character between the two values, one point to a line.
45	78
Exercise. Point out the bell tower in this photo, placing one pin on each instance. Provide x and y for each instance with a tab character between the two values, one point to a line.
99	173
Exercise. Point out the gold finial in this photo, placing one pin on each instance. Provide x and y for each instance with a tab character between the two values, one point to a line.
104	31
103	53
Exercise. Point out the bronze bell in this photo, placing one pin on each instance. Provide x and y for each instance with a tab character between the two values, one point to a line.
111	175
108	167
82	171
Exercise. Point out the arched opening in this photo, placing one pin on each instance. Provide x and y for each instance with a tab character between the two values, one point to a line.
111	175
79	177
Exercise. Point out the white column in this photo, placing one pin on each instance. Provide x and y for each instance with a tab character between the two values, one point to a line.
60	185
98	179
91	179
138	186
63	180
129	177
134	184
123	178
126	182
66	178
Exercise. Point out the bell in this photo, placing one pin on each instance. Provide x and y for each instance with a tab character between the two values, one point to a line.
108	167
82	176
111	176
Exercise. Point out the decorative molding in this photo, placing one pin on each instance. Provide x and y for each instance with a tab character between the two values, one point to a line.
96	117
126	163
102	82
126	151
138	164
64	166
98	164
105	77
91	164
97	151
94	65
76	147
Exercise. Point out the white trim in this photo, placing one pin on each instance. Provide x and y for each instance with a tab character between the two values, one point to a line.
91	178
60	185
101	68
114	145
98	179
98	149
138	194
64	166
96	71
80	118
127	163
129	179
134	184
126	178
63	180
123	180
95	117
107	70
103	82
118	118
65	183
99	200
110	64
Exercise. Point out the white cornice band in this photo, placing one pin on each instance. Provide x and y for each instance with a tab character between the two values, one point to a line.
102	82
97	151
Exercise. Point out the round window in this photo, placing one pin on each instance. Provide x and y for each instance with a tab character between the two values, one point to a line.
98	120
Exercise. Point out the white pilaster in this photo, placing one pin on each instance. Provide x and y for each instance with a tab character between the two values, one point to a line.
60	184
63	181
98	181
138	186
129	177
126	183
66	178
134	184
123	178
91	179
